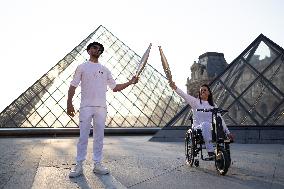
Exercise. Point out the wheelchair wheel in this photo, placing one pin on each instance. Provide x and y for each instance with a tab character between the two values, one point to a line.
189	148
227	147
222	161
196	163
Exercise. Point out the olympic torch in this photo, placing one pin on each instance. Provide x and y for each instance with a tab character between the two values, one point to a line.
166	66
143	61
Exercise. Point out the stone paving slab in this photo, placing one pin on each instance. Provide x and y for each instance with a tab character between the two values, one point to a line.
48	177
135	162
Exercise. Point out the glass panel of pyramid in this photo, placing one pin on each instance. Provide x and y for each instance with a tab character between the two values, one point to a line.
251	88
149	103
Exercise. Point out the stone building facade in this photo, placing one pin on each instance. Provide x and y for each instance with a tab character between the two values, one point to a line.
209	65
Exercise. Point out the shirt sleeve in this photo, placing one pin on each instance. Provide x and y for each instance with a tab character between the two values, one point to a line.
188	98
77	77
110	81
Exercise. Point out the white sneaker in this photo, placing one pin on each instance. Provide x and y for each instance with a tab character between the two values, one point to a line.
100	169
77	171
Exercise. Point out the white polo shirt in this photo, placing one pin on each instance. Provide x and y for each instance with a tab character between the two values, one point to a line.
94	79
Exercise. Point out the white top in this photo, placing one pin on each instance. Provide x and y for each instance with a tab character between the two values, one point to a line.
198	116
94	79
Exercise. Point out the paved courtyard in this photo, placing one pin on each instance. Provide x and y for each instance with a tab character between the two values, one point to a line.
135	163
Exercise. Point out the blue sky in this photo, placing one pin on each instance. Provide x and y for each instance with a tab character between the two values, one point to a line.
36	34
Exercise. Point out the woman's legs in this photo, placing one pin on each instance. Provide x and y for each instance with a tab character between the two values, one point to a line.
207	136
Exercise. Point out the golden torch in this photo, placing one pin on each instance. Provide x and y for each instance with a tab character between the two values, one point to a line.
166	66
143	61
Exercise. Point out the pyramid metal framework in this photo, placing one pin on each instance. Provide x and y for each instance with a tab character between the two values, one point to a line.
149	103
251	88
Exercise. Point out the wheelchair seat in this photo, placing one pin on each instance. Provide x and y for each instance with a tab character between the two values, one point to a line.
199	137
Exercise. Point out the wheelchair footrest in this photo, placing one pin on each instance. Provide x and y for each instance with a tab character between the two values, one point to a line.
209	158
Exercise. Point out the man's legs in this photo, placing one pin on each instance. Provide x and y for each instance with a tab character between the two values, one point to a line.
86	115
98	139
84	125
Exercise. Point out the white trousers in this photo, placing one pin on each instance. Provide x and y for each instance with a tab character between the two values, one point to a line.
207	135
97	115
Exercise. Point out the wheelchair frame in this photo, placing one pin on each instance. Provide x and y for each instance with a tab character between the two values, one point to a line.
194	141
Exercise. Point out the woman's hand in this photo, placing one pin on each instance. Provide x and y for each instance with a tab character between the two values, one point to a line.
231	137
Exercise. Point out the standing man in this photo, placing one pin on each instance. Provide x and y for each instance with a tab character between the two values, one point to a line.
94	78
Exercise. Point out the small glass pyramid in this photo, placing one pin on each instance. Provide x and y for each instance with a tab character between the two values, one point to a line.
251	88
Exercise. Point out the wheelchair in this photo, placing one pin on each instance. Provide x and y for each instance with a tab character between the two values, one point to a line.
194	141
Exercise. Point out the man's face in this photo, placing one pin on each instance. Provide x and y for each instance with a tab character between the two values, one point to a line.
95	51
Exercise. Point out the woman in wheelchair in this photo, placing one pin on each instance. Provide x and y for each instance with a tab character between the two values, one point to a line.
202	120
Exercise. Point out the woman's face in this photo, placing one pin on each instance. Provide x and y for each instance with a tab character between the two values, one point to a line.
204	93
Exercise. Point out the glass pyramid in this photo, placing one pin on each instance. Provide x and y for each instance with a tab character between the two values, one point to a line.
149	103
251	88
